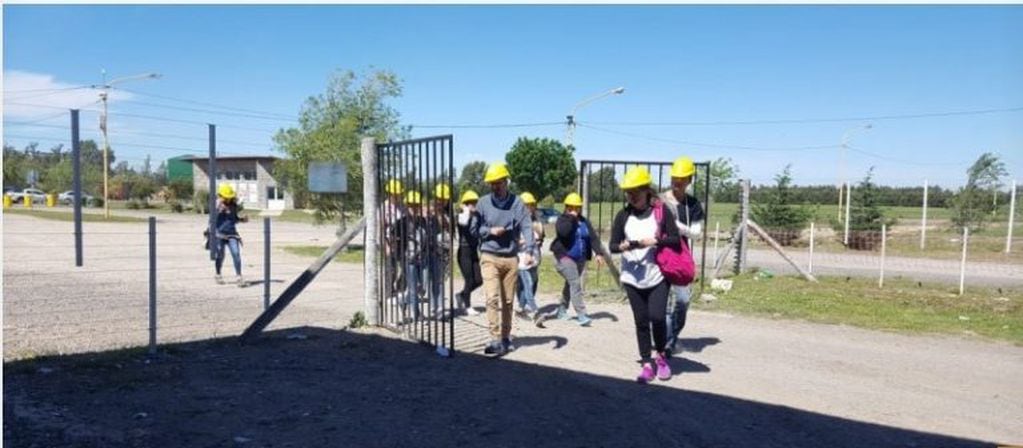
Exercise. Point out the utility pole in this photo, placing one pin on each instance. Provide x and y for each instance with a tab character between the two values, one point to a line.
104	96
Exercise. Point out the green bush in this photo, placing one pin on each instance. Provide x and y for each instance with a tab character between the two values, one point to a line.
199	201
778	213
865	211
96	202
134	204
176	206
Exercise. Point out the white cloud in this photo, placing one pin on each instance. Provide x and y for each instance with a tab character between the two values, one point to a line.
33	96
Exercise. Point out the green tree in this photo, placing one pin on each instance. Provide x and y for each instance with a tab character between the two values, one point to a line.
723	175
970	207
778	211
865	211
58	178
331	126
603	187
472	178
541	166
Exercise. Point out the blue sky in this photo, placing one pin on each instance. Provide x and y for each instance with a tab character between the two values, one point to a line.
528	64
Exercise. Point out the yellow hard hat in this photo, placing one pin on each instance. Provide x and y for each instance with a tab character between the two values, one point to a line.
528	198
413	198
635	177
394	187
573	200
443	191
470	195
496	172
683	167
225	191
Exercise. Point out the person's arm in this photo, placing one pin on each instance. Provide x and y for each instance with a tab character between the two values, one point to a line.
525	224
483	230
618	231
671	237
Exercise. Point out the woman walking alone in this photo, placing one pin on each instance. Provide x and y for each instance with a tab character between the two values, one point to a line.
227	232
637	234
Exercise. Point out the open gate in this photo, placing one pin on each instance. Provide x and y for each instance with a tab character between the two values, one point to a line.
602	198
417	238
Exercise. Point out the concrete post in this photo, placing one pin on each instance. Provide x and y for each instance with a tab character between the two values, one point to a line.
370	188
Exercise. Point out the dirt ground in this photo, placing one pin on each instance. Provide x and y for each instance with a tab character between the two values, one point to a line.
741	381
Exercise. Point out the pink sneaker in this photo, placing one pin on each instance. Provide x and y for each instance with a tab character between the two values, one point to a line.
663	369
646	375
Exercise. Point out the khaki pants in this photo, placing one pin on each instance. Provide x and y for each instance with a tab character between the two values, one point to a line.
500	275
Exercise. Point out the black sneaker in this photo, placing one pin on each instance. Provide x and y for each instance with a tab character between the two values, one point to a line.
494	348
506	343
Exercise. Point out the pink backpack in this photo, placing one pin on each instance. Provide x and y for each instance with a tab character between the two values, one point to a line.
676	263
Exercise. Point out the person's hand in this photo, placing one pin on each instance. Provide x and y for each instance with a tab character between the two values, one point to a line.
527	259
573	213
600	262
648	242
497	231
624	246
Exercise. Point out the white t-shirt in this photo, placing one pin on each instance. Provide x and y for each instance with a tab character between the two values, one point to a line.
639	266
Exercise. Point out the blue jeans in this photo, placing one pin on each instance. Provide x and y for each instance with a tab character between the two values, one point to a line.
236	254
436	274
526	289
413	273
676	317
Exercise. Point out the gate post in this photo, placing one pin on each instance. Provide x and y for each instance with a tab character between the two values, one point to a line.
370	200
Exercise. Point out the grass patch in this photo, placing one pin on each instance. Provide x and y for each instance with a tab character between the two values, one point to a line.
346	256
70	216
903	305
296	216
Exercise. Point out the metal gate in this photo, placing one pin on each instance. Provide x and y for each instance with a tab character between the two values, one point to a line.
602	197
416	232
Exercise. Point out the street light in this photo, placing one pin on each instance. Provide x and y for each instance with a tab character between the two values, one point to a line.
841	162
106	86
583	103
844	182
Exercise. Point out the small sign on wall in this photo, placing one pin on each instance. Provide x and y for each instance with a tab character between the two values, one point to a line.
328	177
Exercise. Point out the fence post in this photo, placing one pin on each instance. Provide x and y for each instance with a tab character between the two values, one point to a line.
212	200
923	220
717	231
962	265
1012	216
848	200
76	181
884	247
743	232
371	288
152	285
266	263
809	267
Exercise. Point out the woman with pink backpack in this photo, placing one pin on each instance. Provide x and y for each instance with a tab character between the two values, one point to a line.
653	257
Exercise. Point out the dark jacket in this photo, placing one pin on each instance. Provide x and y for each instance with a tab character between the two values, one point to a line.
565	229
670	237
468	234
227	219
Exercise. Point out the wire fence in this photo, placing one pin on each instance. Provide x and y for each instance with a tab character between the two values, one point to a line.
51	306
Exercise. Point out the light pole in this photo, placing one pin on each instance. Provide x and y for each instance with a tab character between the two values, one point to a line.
103	127
841	162
571	116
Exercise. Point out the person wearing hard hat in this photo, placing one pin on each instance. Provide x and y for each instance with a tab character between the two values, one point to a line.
529	267
573	247
689	216
637	234
392	210
227	232
439	253
411	236
503	219
468	250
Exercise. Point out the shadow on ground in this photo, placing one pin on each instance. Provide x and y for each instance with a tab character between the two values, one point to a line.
338	388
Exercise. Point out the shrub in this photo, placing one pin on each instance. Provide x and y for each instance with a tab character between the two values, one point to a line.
777	213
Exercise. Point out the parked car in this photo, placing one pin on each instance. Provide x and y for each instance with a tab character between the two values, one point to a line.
68	198
34	194
549	215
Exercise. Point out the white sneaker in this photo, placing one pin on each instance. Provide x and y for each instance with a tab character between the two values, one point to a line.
470	311
240	280
219	278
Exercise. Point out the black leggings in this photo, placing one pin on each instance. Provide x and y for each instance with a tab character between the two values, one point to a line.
469	264
648	308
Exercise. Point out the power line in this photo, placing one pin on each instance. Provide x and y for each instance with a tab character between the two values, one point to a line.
201	103
210	111
905	162
46	90
811	120
130	145
149	117
141	134
709	145
486	126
